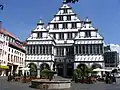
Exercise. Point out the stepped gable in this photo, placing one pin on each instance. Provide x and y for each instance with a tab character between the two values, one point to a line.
65	20
40	32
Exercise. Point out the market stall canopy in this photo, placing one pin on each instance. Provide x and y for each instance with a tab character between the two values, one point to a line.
4	67
102	70
107	70
118	66
98	70
27	69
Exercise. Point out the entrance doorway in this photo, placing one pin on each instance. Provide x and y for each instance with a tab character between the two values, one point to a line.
60	69
70	68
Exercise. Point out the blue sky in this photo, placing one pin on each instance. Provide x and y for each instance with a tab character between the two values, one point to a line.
20	16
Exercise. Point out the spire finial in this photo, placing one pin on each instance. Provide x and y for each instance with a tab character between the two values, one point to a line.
40	22
64	1
87	20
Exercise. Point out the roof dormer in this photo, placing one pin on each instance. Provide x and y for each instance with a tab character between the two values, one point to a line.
87	25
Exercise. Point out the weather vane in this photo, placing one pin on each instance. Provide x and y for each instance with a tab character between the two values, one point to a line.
70	1
1	7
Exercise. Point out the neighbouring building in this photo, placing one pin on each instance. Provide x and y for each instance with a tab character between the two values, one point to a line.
64	44
12	53
111	59
111	56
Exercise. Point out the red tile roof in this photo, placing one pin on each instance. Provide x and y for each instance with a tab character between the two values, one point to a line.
16	45
3	31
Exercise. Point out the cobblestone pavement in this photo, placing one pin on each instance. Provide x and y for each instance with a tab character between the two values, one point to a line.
4	85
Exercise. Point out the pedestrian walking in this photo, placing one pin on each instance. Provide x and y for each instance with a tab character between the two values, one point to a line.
113	79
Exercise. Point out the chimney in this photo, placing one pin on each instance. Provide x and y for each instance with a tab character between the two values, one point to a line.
0	25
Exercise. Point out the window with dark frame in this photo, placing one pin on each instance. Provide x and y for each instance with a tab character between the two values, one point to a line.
61	36
65	25
69	35
65	10
87	34
39	35
56	26
60	18
69	17
74	25
54	35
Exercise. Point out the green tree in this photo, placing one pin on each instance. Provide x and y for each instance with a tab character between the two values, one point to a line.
32	70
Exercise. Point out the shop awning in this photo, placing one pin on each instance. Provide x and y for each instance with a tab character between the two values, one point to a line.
4	67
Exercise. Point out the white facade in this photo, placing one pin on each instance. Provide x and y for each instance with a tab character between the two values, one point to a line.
66	42
12	53
3	53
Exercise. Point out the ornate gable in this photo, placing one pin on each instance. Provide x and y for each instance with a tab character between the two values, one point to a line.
87	31
39	33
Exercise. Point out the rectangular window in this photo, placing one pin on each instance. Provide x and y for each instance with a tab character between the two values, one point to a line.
56	26
87	49
46	49
57	51
68	17
33	49
61	36
77	49
74	25
60	18
91	51
30	49
54	35
65	10
40	49
50	49
87	34
83	46
62	52
43	49
65	25
101	49
37	49
69	35
39	35
67	51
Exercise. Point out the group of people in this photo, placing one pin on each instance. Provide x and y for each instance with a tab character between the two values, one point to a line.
110	78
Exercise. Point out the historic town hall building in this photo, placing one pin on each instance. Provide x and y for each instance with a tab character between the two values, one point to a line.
65	43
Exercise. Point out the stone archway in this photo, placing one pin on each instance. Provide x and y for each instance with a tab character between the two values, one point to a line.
94	66
44	66
33	69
